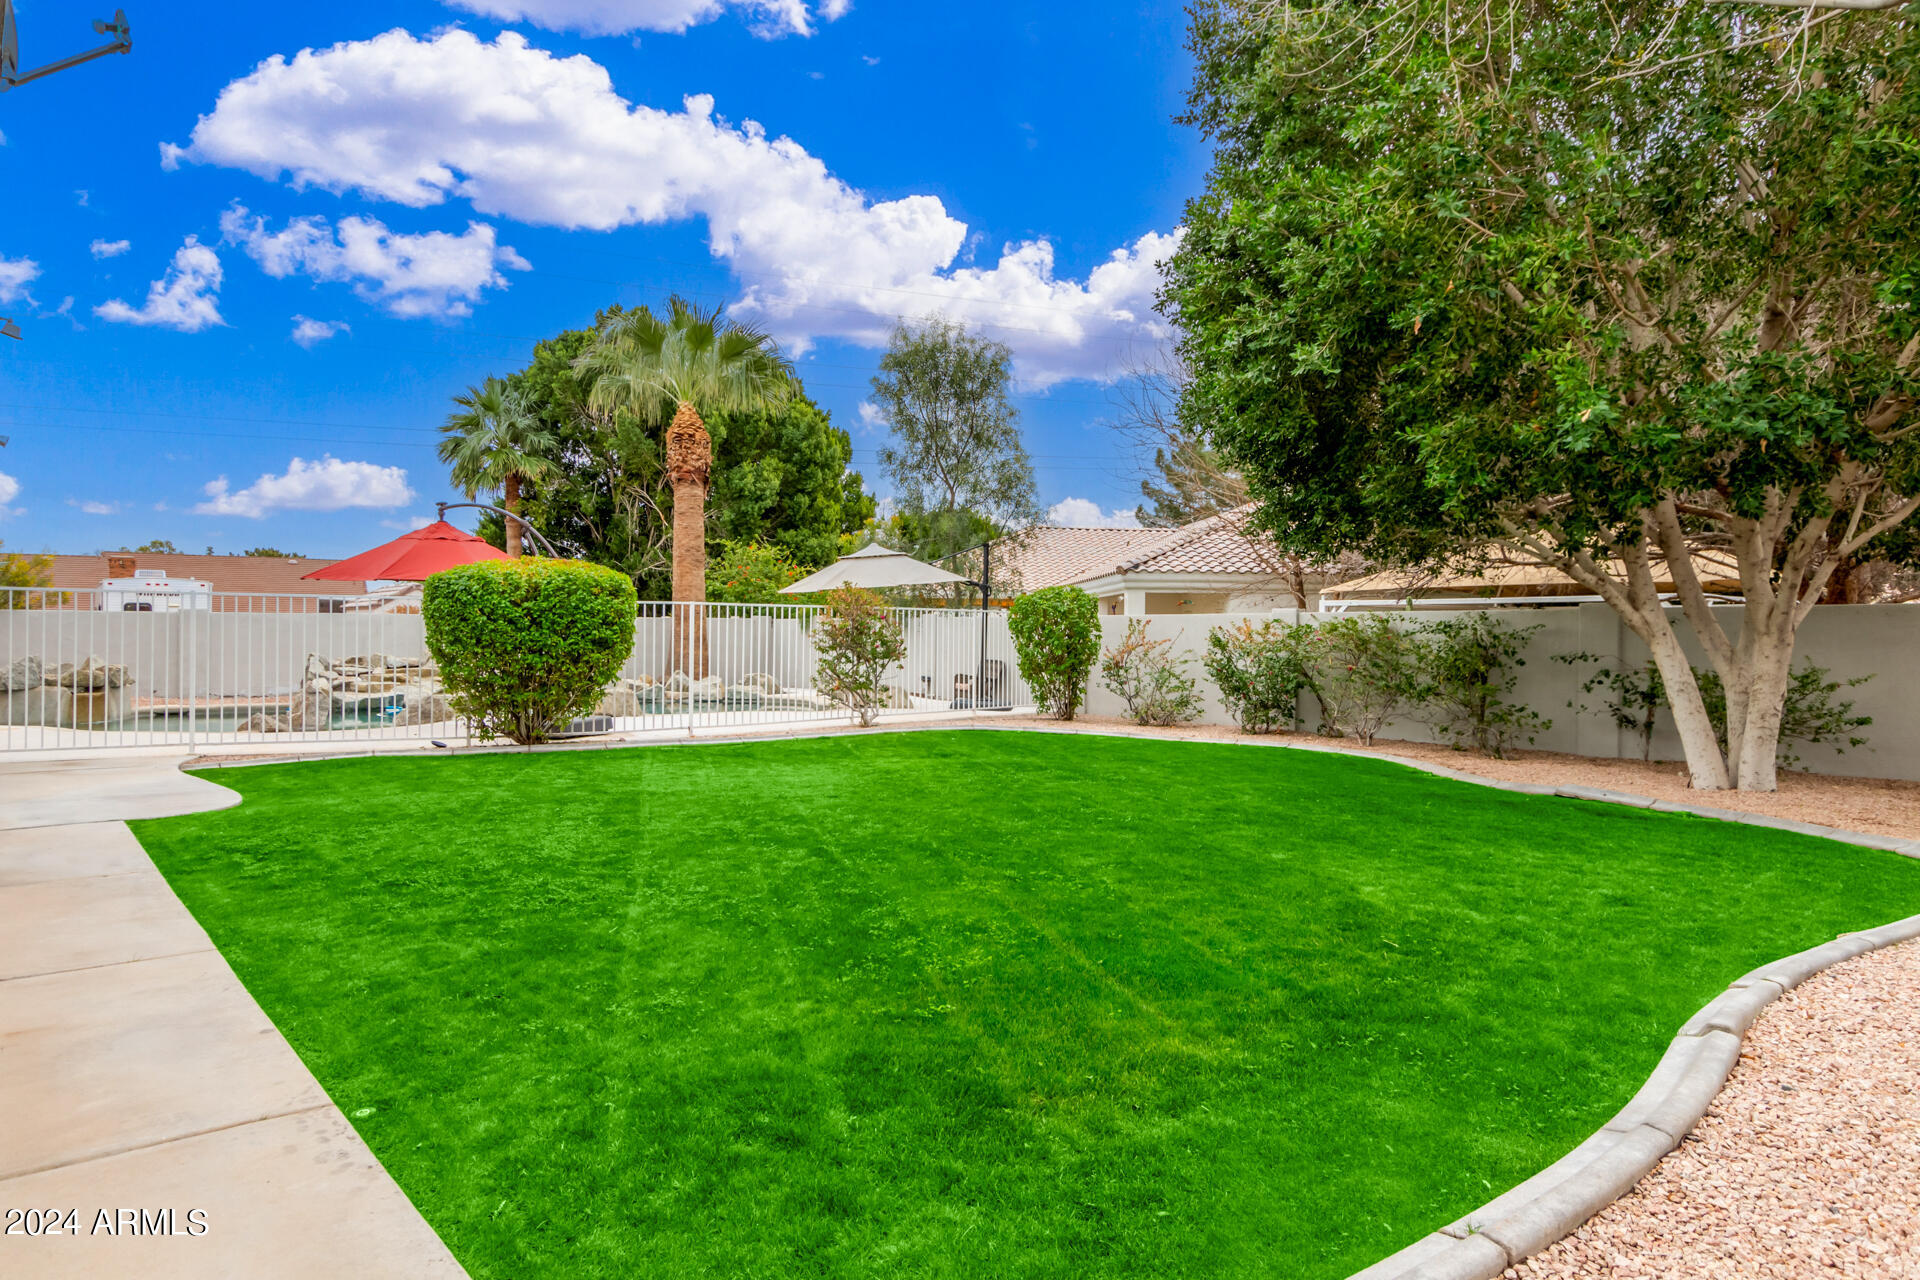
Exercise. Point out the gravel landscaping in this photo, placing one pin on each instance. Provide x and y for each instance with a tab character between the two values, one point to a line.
1808	1163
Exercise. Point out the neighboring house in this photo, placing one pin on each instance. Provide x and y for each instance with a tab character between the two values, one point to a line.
1475	586
1216	565
241	584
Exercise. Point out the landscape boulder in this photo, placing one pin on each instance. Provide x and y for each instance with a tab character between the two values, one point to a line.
93	673
432	708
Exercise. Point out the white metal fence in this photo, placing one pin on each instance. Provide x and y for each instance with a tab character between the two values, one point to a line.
285	668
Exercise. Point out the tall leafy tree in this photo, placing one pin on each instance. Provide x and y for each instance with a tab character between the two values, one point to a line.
1602	284
956	458
494	441
24	579
672	370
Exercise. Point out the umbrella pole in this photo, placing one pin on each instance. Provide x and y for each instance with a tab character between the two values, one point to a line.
526	525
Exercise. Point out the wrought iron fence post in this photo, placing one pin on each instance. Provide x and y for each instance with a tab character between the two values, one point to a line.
192	681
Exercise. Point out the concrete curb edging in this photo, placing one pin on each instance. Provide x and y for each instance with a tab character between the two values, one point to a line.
1558	1200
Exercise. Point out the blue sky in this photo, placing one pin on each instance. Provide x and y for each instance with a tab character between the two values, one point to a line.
228	254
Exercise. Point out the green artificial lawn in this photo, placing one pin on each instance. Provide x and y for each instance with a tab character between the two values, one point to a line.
972	1004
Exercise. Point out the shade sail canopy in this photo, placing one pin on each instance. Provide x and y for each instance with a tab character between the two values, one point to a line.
412	557
873	567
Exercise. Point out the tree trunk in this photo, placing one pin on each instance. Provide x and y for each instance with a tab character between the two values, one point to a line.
689	542
1637	603
1706	767
1768	671
689	464
511	501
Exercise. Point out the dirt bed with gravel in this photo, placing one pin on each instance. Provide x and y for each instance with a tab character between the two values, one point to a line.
1875	805
1808	1163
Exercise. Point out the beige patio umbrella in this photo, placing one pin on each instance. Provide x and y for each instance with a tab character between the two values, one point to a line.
874	567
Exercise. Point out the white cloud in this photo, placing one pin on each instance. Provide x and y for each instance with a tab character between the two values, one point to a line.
769	19
185	298
436	274
310	333
545	140
327	485
94	508
15	275
9	489
407	525
1084	513
109	248
872	415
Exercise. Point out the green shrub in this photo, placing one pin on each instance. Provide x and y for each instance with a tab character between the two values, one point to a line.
1633	696
858	642
1361	669
1468	669
1056	632
1811	716
1149	678
752	573
525	645
1259	671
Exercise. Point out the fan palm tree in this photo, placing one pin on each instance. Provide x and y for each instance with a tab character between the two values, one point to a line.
496	441
671	370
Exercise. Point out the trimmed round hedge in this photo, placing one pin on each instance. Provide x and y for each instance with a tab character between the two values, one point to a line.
1056	632
525	645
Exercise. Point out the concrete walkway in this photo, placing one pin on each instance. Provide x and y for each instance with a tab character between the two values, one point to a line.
141	1088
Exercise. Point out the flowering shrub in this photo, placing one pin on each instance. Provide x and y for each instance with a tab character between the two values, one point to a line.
1259	670
1149	678
858	642
1361	670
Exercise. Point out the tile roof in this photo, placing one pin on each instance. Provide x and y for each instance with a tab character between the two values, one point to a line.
255	575
1217	544
1057	555
1050	555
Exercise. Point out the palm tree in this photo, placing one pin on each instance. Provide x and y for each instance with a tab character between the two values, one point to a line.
689	363
494	442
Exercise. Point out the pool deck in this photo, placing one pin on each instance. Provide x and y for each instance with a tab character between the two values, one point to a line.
142	1089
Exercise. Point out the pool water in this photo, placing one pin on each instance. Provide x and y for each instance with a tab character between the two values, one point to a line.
229	719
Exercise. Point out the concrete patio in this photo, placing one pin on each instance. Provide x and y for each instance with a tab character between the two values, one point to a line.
143	1088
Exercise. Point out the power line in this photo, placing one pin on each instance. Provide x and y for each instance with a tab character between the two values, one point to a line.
1097	462
282	422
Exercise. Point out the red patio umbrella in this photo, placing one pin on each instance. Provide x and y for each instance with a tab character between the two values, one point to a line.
412	557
